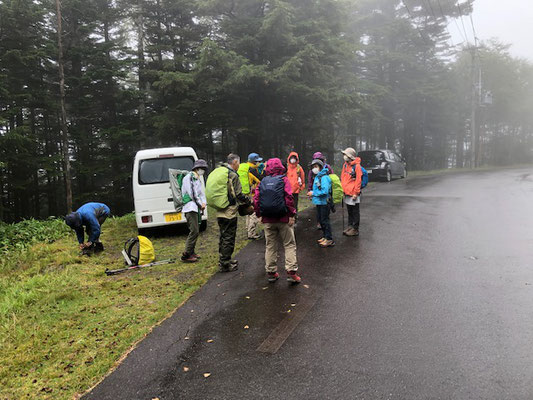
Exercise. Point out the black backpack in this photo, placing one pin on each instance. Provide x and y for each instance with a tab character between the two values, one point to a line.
272	197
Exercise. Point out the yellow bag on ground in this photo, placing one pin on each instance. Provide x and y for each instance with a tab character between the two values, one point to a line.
146	250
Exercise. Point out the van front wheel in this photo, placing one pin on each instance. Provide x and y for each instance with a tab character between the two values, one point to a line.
203	226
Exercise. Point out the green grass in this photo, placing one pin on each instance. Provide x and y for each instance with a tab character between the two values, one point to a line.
64	324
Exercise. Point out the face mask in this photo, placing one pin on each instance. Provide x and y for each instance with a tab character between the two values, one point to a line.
316	170
293	160
200	172
347	159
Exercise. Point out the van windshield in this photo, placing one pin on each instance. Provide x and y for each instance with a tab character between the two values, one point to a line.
156	170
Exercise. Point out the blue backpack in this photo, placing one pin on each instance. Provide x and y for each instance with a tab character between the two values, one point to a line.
364	179
272	197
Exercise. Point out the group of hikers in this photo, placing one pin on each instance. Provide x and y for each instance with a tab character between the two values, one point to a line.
266	192
269	192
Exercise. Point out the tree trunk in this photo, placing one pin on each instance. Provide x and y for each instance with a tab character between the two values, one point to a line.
65	138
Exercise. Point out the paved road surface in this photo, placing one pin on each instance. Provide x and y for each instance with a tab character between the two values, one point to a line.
434	300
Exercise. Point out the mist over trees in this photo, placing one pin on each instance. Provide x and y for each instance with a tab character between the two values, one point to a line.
242	75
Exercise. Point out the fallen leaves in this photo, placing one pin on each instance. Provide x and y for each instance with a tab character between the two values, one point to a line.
207	375
248	297
246	327
210	340
185	369
293	304
306	286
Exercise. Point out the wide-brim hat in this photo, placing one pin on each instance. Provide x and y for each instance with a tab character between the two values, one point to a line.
350	152
317	162
199	164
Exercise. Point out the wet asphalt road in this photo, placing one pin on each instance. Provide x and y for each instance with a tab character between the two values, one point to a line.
433	301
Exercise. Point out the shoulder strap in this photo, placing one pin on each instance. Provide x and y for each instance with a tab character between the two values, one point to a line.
128	246
231	190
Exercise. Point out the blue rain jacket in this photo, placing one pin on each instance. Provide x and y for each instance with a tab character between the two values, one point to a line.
90	213
321	188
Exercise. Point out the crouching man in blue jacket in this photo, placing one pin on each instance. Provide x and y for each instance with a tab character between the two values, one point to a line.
91	216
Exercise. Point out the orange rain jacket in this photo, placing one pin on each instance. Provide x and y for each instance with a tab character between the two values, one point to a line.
295	171
352	185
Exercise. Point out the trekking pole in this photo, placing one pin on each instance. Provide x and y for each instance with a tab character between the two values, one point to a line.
342	205
131	267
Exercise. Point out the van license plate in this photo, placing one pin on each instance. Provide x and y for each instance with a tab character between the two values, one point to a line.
173	217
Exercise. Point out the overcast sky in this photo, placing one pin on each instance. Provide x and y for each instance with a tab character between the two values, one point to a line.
511	21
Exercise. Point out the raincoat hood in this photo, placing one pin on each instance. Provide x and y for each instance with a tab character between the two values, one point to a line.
293	154
274	167
323	171
356	161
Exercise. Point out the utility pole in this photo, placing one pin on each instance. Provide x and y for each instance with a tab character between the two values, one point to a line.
64	129
475	98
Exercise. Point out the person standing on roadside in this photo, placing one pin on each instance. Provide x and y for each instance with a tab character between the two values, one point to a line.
250	178
274	204
224	193
320	196
351	179
311	176
195	202
296	176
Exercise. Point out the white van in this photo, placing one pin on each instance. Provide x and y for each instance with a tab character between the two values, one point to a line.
154	206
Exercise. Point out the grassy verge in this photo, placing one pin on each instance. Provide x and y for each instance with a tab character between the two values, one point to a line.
64	324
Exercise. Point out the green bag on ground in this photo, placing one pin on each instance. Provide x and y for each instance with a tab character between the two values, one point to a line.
336	189
216	188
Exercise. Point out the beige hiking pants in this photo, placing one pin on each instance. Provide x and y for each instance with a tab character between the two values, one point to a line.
274	234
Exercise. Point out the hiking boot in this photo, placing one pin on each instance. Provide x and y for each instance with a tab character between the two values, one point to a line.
344	232
227	267
293	277
98	247
256	237
327	243
189	258
352	232
234	262
197	256
272	276
320	240
88	251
